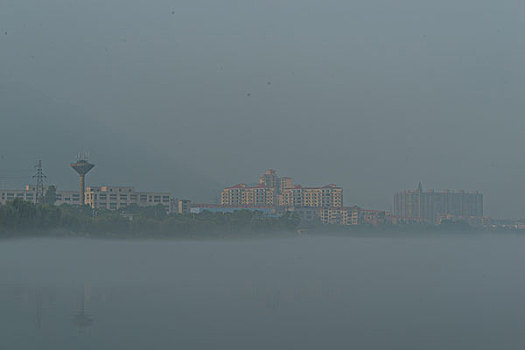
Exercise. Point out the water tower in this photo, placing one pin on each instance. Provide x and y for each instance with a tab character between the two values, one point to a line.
82	167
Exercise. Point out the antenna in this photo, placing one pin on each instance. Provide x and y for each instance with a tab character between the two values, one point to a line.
40	178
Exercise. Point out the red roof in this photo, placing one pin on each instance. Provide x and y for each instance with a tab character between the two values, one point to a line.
246	186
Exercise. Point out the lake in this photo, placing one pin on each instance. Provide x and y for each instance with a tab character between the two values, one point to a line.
388	291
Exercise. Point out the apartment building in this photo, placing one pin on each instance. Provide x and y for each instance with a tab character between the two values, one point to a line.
245	195
354	216
312	197
429	206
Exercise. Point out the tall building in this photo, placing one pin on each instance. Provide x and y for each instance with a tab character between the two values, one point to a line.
245	195
276	191
429	206
312	197
117	197
285	183
269	179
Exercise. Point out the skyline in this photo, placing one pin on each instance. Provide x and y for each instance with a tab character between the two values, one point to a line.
281	193
375	96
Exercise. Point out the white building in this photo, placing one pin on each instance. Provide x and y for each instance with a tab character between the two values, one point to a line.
29	194
107	197
117	197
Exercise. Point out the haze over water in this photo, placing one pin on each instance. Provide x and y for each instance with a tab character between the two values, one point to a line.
390	291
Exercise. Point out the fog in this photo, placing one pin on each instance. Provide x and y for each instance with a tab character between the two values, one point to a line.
391	291
189	96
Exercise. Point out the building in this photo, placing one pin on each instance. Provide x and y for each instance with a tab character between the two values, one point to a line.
181	206
278	184
107	197
276	191
354	216
429	206
29	194
118	197
269	179
375	217
245	195
284	184
329	196
333	215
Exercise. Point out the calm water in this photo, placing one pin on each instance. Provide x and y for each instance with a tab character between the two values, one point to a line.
445	291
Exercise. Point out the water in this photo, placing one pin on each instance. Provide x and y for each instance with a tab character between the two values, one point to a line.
446	291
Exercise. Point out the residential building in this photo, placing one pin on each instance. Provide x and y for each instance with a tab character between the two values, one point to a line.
312	197
354	216
269	179
285	183
429	206
333	215
245	195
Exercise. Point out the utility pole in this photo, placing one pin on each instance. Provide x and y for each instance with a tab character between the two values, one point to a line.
40	178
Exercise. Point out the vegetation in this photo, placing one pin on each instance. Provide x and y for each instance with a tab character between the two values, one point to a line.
22	218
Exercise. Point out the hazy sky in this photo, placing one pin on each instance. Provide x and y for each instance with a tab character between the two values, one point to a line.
188	96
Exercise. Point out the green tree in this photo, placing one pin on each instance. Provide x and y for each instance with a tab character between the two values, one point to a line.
51	195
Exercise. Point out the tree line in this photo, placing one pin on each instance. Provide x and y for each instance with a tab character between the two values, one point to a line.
23	218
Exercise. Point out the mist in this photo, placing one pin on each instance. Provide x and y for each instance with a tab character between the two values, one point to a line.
455	291
191	96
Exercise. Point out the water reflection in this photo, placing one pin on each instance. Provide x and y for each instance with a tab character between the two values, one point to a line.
181	296
82	319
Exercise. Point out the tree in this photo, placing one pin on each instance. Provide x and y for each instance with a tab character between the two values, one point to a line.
51	195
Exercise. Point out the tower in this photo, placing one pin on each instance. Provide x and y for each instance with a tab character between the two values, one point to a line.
82	167
40	177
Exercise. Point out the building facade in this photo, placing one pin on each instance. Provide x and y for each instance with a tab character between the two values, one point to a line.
118	197
354	216
429	206
312	197
245	195
276	191
106	197
181	206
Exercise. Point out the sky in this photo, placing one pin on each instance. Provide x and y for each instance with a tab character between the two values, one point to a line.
189	96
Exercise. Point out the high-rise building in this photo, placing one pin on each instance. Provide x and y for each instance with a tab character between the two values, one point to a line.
312	197
429	206
245	195
273	190
269	179
285	183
